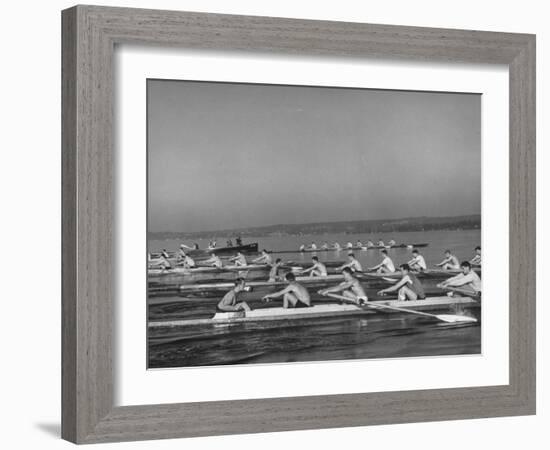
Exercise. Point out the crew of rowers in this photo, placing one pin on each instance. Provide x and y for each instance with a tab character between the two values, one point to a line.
349	246
184	260
212	244
408	287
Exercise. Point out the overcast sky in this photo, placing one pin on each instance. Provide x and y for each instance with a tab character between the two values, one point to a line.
224	155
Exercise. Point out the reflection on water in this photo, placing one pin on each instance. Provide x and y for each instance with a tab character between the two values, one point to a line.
386	336
372	336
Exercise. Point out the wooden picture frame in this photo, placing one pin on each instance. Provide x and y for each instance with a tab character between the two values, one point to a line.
89	37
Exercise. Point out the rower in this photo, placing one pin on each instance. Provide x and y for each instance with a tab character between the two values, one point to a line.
294	294
350	288
186	261
386	266
274	275
450	262
165	263
476	260
337	246
324	246
264	258
230	302
417	263
214	261
313	246
317	270
391	243
408	287
229	243
239	260
381	243
238	241
349	245
468	280
370	243
162	262
359	243
302	247
352	264
181	252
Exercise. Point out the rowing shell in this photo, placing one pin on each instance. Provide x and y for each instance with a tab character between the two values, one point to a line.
320	310
372	247
430	273
184	271
225	285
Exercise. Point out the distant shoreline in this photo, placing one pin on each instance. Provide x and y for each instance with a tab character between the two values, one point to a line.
468	222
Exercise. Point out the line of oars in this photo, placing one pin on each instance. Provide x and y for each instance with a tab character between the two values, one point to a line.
449	318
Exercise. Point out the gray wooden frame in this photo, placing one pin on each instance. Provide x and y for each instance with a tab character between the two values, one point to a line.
89	36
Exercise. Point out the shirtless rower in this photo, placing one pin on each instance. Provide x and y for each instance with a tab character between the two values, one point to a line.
450	262
214	261
318	269
324	246
381	243
230	302
313	246
468	280
264	258
370	243
408	287
181	252
294	294
359	243
186	261
386	266
274	271
352	263
302	247
337	246
239	259
417	263
350	288
163	261
349	245
391	243
476	260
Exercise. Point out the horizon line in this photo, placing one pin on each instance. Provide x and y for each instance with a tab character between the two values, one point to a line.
314	223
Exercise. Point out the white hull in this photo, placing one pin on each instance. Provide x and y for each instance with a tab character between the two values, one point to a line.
198	270
320	310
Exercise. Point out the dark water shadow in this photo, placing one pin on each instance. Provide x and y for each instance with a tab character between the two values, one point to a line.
53	429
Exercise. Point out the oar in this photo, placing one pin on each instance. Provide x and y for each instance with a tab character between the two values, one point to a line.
378	276
449	318
462	291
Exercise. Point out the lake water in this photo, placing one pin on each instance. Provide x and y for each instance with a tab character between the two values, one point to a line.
378	336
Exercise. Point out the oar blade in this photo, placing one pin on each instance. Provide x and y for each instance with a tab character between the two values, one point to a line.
449	318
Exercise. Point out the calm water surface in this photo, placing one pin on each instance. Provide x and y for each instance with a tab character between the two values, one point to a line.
373	336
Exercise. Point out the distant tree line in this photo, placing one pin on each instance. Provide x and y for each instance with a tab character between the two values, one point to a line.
350	227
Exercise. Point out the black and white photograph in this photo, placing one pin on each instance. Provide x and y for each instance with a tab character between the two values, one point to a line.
290	223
